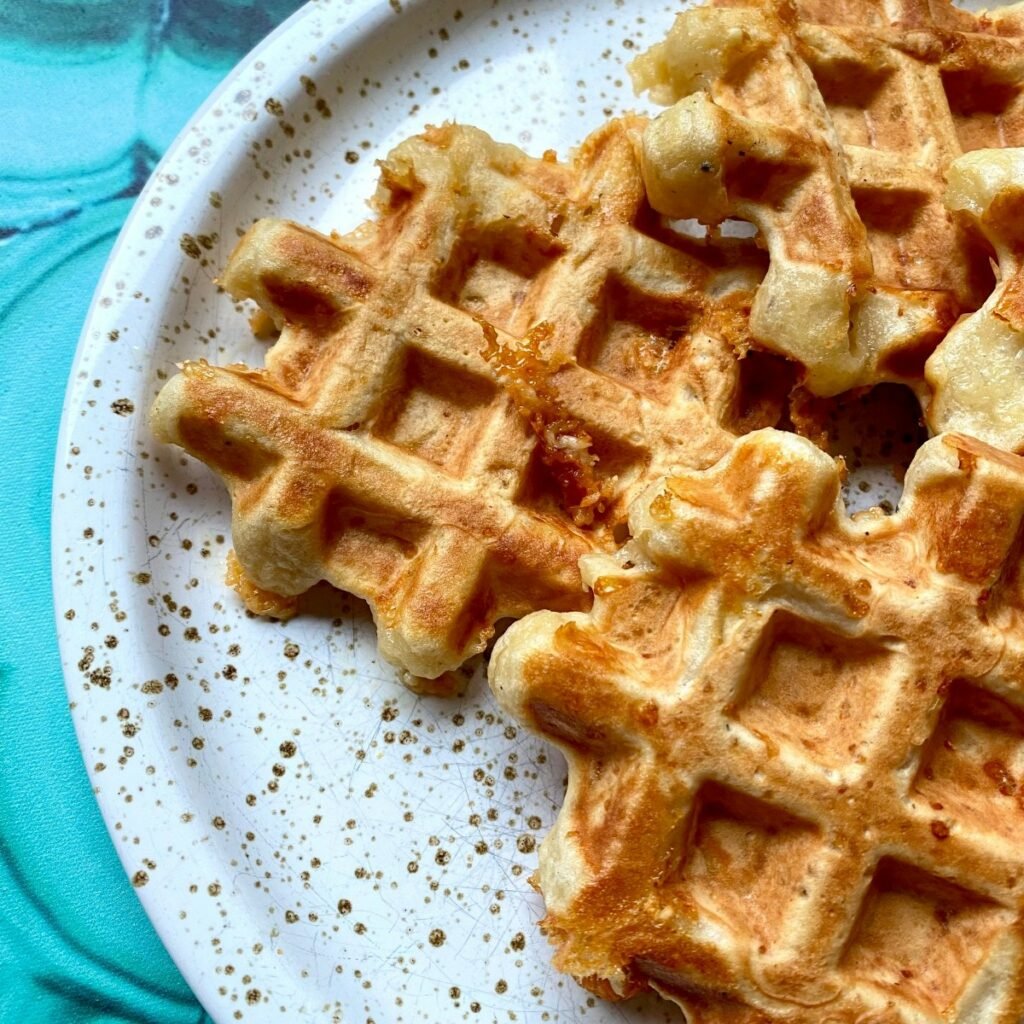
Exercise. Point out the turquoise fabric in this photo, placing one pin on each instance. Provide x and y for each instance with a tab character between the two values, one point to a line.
91	93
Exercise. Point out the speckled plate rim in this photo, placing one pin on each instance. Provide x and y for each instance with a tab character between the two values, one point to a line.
361	16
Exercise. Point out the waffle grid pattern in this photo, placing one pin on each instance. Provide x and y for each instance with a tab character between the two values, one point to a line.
816	724
381	451
831	127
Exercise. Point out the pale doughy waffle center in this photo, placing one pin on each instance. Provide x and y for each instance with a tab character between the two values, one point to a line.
831	127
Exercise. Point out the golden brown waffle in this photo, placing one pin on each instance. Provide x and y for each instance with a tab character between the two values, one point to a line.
830	124
795	745
383	447
976	375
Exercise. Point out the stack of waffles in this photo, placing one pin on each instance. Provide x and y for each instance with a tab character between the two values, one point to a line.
795	737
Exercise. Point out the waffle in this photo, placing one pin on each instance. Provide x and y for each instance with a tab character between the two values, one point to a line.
830	126
975	374
467	392
795	744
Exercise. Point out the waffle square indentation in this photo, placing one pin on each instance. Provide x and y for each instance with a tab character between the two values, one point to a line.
860	106
490	275
980	104
638	338
437	413
377	539
972	768
815	690
921	936
747	861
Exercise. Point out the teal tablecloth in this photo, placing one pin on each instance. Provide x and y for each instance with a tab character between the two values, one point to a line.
91	93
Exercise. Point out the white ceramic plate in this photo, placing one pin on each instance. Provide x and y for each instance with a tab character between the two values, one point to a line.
310	840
